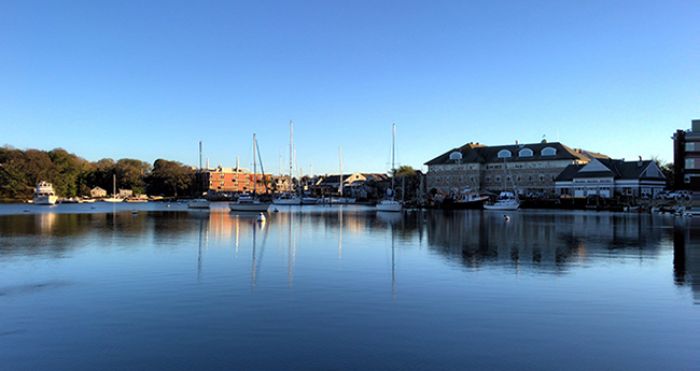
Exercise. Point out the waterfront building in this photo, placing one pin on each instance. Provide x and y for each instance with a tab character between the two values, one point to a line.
356	185
686	158
609	178
232	180
529	168
98	192
125	193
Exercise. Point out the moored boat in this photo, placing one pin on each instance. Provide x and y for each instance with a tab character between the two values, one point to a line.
389	204
246	202
44	194
198	203
505	201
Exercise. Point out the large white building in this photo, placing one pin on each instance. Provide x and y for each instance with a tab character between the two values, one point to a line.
529	168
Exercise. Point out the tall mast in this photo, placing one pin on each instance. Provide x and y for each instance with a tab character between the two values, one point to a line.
291	155
393	155
114	185
340	158
255	167
200	155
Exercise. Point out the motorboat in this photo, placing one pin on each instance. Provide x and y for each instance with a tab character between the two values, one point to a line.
249	203
44	194
505	201
198	203
467	199
342	200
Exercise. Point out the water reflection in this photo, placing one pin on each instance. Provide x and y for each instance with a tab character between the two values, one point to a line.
541	243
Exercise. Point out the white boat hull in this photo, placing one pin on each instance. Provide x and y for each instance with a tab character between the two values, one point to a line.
502	206
113	200
287	201
45	200
310	201
389	206
255	206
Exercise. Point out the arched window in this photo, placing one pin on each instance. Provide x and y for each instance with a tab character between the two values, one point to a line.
504	153
525	152
548	151
498	179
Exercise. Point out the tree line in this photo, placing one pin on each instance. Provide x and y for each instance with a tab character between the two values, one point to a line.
71	175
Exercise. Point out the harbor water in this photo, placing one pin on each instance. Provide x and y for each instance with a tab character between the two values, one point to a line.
155	286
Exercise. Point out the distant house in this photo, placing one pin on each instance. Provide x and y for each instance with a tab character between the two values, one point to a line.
358	185
124	193
98	192
608	178
686	158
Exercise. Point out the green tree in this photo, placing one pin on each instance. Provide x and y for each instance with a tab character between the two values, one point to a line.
170	178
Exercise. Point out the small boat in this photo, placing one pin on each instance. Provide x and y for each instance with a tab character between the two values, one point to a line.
287	199
198	203
505	201
248	203
44	194
468	199
136	200
310	201
70	200
114	198
389	206
342	200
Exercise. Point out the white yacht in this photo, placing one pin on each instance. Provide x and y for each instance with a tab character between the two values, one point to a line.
198	203
389	204
308	200
505	201
44	194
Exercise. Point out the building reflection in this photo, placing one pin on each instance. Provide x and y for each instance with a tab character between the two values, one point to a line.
686	257
546	243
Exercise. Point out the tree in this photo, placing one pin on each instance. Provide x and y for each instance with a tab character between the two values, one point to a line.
170	178
131	174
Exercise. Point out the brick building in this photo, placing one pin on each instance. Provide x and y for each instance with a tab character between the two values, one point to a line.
686	158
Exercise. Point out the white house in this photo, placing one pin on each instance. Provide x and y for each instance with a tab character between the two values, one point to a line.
608	178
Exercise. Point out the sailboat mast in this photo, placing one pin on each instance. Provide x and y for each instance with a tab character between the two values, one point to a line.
393	156
114	185
291	155
255	168
340	159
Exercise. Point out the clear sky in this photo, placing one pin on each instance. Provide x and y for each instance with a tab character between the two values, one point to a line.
148	79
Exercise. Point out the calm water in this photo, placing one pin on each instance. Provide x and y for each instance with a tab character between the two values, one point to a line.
97	287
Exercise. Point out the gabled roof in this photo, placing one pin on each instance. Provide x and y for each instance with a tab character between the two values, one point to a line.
618	169
479	153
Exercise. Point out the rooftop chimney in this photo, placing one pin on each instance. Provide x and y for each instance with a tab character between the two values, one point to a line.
639	163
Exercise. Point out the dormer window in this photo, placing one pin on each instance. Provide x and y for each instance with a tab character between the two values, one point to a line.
456	157
525	152
549	151
504	153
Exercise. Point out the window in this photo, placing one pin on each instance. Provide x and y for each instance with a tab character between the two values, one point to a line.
548	151
525	152
690	163
488	179
498	179
691	147
504	153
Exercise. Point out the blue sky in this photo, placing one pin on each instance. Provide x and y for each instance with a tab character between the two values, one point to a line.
149	79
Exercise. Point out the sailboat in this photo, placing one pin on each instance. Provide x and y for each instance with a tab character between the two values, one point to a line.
247	202
389	204
506	201
114	197
341	184
290	198
199	203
